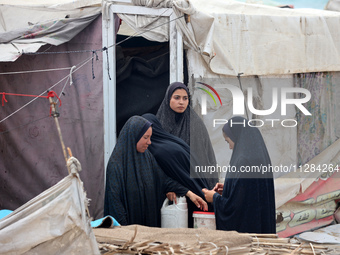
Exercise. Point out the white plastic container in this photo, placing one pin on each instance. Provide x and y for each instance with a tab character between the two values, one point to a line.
204	220
174	215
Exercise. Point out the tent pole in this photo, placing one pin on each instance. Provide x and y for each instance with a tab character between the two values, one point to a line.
55	115
109	84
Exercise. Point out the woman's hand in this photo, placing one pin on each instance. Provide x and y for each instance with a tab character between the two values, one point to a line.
172	196
218	188
209	195
197	200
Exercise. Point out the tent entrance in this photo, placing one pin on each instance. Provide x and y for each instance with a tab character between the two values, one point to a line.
142	77
111	92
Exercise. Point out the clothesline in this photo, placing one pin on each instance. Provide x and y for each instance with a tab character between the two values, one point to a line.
38	71
49	94
49	89
94	52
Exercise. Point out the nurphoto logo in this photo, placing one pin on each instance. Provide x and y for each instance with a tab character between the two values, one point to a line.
239	103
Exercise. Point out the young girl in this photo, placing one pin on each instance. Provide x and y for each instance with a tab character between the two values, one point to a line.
246	202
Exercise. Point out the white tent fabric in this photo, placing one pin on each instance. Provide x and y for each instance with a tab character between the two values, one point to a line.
333	5
245	38
25	28
54	222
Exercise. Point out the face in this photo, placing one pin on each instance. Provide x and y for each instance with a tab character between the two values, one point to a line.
179	100
229	141
145	141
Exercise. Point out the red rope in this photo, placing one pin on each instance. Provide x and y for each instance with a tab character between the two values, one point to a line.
52	94
49	94
22	95
3	99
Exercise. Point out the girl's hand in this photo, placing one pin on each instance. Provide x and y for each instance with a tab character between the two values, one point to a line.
209	195
197	200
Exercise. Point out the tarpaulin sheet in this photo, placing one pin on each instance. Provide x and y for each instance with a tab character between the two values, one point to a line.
26	27
311	209
54	222
326	235
252	39
31	157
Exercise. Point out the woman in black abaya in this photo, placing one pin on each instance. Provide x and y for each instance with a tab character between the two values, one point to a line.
179	119
135	185
247	202
173	156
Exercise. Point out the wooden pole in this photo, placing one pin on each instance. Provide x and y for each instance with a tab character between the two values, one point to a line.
54	114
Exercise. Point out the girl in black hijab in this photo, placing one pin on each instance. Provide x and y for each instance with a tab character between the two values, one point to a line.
135	185
179	119
246	202
173	156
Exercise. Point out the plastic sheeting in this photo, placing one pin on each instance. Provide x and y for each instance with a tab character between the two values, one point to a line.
29	142
54	222
252	39
327	235
25	28
311	209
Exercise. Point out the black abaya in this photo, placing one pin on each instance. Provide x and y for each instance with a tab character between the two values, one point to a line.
135	185
247	203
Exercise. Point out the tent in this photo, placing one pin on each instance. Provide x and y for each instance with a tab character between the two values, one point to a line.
31	154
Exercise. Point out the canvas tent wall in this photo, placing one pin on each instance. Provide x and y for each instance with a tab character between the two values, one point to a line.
31	155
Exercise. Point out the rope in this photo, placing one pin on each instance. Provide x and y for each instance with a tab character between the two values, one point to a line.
71	71
107	60
52	94
94	53
38	71
84	63
59	52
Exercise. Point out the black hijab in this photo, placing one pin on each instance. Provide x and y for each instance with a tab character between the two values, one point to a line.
135	184
190	128
247	203
173	156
